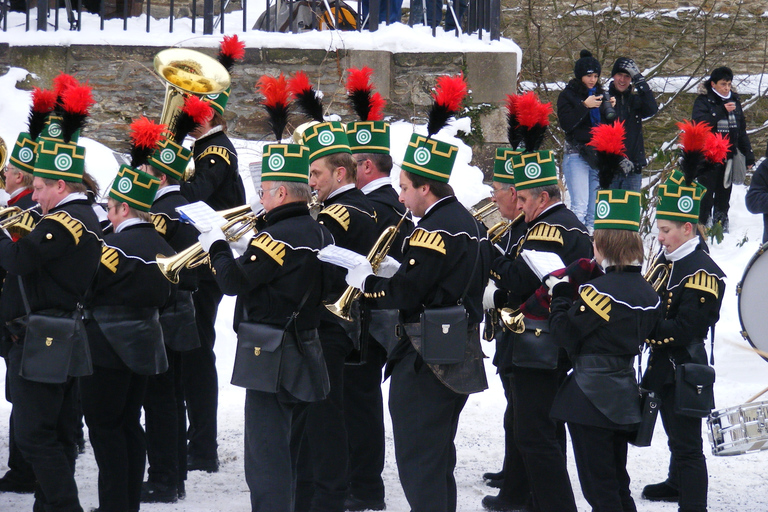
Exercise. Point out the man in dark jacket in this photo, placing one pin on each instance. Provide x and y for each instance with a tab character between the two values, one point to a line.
757	195
720	107
632	109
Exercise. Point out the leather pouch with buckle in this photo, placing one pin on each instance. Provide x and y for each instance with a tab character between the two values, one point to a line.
694	389
258	357
444	334
532	348
55	347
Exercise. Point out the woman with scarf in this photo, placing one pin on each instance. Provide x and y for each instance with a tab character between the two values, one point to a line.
579	108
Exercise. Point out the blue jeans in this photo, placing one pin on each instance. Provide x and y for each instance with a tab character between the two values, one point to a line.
582	184
632	181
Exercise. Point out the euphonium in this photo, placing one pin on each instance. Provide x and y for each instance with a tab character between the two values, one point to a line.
241	220
376	255
187	72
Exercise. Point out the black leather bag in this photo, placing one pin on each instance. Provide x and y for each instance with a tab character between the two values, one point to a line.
649	411
532	348
258	357
383	327
444	334
55	347
694	390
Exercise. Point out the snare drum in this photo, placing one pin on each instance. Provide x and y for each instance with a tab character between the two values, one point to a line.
740	429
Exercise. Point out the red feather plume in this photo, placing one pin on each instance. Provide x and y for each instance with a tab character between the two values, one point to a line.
230	51
377	103
368	104
609	138
359	79
450	91
305	96
146	133
43	100
198	109
63	82
511	105
530	111
694	134
78	100
716	147
274	90
299	84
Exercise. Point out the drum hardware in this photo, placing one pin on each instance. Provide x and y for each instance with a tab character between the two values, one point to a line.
740	429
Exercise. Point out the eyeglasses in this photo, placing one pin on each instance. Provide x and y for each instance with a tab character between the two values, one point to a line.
270	190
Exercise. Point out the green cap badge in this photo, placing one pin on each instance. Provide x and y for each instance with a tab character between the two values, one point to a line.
534	170
503	172
60	161
23	153
218	101
135	187
368	137
430	158
617	209
325	139
285	162
170	158
679	202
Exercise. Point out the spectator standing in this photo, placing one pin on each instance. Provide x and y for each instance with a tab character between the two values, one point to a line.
631	108
757	195
720	106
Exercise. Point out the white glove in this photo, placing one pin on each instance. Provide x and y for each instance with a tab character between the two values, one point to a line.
256	205
490	290
4	197
357	274
209	237
388	267
551	281
241	245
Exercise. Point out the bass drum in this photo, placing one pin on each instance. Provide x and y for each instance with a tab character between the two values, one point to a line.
751	292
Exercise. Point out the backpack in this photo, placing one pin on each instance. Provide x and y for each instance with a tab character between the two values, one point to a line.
307	15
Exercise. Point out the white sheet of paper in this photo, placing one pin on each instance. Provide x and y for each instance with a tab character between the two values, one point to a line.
541	262
202	216
340	256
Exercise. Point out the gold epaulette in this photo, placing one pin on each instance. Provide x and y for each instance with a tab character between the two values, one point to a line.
215	150
23	226
339	213
597	302
110	258
545	233
161	224
273	248
422	238
74	226
704	282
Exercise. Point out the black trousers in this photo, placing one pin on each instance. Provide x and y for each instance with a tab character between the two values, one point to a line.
717	196
514	487
44	429
166	424
323	455
425	416
601	458
364	418
540	439
112	401
201	381
19	470
271	449
687	465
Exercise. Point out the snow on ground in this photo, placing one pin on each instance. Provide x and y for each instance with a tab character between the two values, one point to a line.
736	483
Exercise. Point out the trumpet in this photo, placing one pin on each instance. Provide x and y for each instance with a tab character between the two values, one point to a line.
376	255
17	221
657	274
513	319
240	221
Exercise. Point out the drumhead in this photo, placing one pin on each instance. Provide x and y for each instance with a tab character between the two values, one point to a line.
752	292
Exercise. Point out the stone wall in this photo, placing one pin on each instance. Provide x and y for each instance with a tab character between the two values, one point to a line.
126	87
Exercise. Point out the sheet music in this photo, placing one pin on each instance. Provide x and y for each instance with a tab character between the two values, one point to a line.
542	263
340	256
202	216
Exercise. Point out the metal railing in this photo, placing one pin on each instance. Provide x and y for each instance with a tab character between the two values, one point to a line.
481	15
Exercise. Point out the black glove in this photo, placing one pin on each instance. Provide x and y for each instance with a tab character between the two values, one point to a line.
627	166
631	68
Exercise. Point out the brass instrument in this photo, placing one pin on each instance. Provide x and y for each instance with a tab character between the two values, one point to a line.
17	221
376	255
499	229
657	274
241	220
187	72
3	157
298	133
513	319
315	205
484	211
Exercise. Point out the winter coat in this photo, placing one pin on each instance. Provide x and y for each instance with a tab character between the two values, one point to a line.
632	108
573	115
709	107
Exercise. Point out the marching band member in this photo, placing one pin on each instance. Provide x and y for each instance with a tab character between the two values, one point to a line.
602	324
279	284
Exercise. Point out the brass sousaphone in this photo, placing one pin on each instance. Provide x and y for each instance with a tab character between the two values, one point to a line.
3	159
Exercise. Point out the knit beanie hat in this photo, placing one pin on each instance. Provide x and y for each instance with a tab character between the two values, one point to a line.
586	64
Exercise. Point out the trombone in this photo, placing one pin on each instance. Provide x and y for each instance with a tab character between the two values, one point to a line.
342	307
240	221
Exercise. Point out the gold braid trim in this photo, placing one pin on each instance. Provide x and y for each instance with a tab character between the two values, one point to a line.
215	150
272	248
339	213
110	258
161	224
422	238
704	282
74	226
597	302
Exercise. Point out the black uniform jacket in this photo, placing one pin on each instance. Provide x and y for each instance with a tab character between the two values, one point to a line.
351	219
217	178
632	108
710	108
123	323
57	260
757	195
178	317
690	304
270	280
440	257
389	211
603	330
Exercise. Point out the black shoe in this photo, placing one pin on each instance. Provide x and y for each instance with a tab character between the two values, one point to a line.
11	485
356	504
495	503
199	464
158	493
496	484
181	490
81	446
661	492
493	476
